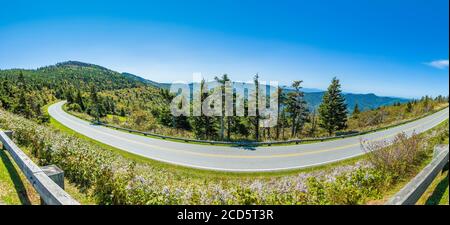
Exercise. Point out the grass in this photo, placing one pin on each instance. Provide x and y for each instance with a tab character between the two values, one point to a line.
120	118
189	172
437	193
441	107
397	187
14	187
194	172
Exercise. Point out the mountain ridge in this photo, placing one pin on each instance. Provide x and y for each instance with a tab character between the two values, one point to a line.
70	70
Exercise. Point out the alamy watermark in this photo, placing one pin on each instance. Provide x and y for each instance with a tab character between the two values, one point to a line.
226	99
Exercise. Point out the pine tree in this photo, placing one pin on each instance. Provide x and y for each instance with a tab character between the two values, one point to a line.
222	81
95	110
333	110
297	108
122	112
255	120
281	101
409	107
22	106
79	101
356	110
204	127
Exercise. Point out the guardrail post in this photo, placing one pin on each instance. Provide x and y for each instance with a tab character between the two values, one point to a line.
8	133
56	174
437	150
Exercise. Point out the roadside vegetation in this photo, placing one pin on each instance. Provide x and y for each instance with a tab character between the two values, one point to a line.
147	109
109	178
437	193
104	175
14	187
94	92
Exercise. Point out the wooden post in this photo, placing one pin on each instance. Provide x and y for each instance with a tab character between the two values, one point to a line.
56	174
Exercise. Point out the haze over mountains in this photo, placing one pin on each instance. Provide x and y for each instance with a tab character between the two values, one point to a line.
314	96
79	73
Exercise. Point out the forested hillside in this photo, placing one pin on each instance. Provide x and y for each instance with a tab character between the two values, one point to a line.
364	101
95	92
26	91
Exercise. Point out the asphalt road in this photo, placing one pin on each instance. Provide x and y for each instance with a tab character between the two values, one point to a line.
238	159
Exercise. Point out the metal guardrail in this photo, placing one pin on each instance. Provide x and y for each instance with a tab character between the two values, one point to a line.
254	143
412	192
50	192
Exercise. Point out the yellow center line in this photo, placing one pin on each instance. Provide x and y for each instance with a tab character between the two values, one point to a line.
243	156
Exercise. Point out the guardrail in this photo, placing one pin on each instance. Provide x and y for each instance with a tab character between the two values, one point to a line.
50	192
254	143
412	192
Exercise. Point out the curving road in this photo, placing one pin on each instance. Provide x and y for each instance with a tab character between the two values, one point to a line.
237	158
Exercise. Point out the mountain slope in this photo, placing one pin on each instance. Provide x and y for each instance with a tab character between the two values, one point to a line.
364	101
80	75
76	74
314	97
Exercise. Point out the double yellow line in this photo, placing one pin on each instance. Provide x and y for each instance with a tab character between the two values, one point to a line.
236	156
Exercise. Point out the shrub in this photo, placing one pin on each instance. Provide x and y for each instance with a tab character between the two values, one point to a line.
399	159
112	179
74	107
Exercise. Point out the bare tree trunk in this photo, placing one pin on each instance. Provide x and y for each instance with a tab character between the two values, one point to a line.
228	128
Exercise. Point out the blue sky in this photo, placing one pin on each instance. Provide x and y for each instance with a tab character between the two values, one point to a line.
390	48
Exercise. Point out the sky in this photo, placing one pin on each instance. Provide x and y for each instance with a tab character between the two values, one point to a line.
387	47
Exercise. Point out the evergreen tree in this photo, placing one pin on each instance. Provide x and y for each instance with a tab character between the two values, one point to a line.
95	107
222	80
297	108
313	121
409	107
256	119
79	101
356	110
281	101
22	106
333	110
204	127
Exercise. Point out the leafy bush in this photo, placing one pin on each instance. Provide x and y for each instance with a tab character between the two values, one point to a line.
112	179
399	159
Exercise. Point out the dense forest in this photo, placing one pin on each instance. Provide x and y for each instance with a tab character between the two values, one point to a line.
97	93
26	91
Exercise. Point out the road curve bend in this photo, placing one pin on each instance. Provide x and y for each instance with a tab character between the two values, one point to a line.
238	159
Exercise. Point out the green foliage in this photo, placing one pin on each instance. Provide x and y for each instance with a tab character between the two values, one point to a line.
204	127
356	110
112	179
297	108
94	92
26	91
333	110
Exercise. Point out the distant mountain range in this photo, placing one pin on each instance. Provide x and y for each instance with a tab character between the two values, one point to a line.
81	74
314	96
364	101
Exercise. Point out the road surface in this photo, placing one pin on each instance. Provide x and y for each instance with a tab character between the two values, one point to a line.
238	159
